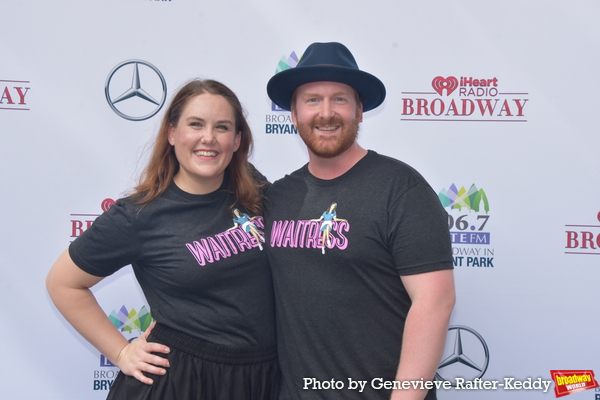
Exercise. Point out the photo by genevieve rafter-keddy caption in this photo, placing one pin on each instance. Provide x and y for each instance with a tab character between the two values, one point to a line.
508	383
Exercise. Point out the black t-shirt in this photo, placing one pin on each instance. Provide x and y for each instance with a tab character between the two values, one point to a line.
341	307
197	276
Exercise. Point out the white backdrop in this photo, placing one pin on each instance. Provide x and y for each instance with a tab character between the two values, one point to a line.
65	151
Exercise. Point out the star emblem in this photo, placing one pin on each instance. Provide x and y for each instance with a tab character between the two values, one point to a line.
135	103
469	358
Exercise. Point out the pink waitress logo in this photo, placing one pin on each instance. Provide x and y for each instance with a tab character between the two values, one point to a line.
466	99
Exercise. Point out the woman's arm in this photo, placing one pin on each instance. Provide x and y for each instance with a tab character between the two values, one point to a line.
69	288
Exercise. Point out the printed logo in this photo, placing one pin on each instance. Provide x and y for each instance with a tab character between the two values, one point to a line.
129	321
583	239
13	95
572	381
81	222
327	231
104	378
465	99
469	356
281	123
243	236
285	64
126	95
245	222
439	84
468	217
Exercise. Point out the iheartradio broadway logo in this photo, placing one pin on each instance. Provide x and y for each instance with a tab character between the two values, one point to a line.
583	238
466	99
13	95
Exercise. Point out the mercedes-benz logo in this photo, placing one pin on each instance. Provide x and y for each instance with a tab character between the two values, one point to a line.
127	97
469	358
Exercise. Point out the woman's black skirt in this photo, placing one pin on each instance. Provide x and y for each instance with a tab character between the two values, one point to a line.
204	371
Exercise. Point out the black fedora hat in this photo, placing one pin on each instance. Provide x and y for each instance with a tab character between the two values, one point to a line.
326	62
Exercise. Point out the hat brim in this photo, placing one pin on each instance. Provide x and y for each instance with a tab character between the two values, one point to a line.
282	85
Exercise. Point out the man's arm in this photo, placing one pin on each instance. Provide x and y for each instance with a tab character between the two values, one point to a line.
433	297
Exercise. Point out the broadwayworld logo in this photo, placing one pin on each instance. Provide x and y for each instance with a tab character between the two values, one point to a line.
465	99
572	381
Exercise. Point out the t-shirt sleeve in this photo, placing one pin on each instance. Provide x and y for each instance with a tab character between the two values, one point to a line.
110	243
419	234
259	178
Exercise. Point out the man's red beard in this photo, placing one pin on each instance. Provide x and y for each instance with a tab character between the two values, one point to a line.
328	145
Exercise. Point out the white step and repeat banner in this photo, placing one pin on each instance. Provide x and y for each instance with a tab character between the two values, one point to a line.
495	103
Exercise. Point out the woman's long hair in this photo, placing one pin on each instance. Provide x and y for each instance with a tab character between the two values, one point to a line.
163	164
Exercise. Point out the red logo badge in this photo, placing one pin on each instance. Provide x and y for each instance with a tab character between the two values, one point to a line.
571	381
107	203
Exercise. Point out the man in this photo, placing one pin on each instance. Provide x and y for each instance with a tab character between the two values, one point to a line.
359	246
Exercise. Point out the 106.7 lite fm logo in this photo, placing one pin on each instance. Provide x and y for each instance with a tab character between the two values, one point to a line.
131	323
465	99
468	221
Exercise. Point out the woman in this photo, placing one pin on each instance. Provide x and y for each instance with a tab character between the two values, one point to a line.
209	290
327	217
245	221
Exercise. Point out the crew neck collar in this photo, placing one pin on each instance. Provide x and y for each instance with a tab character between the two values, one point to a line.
329	182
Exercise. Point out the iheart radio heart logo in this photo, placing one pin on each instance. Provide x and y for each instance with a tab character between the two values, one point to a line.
449	84
465	99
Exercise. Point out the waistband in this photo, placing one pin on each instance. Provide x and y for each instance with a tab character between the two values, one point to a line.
210	351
